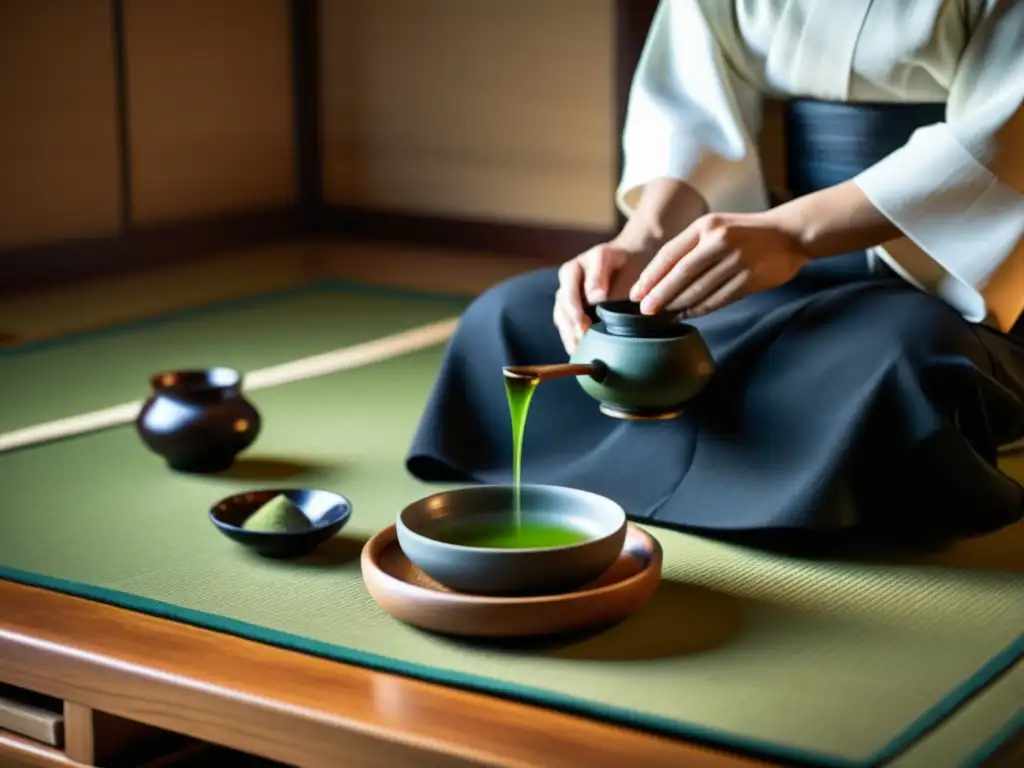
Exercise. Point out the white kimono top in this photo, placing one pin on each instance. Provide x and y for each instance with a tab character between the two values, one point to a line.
955	189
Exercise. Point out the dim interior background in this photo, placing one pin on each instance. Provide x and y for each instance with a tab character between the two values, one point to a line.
146	134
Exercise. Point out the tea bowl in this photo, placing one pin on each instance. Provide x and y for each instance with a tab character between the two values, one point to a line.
429	531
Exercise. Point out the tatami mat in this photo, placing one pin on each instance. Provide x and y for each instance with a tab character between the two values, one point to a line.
829	662
93	370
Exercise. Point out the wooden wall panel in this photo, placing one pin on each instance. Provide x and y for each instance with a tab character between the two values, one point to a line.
210	107
471	108
59	165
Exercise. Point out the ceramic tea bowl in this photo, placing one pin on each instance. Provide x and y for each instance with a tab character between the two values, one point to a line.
468	539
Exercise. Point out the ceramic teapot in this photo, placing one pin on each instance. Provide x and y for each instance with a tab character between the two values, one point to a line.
636	366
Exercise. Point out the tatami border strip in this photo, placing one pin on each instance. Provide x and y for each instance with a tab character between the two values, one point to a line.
342	359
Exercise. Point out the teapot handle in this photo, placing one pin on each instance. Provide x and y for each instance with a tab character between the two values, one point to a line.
595	370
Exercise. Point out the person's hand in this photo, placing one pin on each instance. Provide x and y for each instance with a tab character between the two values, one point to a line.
603	273
717	260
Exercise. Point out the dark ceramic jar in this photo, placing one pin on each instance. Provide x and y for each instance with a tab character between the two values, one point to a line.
649	366
198	421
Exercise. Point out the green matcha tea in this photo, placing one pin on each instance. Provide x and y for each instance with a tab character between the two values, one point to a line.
529	535
279	515
519	392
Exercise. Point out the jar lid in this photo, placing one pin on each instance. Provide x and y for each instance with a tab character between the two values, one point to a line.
623	318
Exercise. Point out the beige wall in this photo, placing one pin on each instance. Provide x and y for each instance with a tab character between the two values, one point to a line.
470	108
209	94
465	108
210	107
58	128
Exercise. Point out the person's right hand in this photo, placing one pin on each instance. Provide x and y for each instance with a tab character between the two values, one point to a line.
603	273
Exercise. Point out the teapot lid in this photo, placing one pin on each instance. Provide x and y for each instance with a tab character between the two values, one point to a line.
623	318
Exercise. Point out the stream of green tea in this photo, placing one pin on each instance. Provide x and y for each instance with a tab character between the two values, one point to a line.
537	533
520	393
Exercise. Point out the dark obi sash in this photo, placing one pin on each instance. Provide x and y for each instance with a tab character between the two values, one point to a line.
828	143
844	400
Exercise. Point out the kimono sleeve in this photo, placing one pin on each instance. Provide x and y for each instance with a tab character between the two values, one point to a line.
691	116
956	189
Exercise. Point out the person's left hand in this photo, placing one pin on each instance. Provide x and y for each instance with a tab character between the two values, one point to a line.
715	261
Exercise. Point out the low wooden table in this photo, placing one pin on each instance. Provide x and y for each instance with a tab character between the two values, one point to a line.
278	704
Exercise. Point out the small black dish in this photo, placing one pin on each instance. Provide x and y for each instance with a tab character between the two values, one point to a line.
331	511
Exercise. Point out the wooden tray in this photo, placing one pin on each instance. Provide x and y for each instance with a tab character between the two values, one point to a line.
411	596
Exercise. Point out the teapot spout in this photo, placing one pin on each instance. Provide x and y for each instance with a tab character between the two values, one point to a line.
538	373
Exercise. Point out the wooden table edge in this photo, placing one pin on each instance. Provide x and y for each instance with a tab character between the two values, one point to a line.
292	707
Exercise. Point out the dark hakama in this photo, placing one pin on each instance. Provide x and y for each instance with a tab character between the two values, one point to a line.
845	399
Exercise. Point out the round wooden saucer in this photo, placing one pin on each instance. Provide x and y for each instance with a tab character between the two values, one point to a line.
409	595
